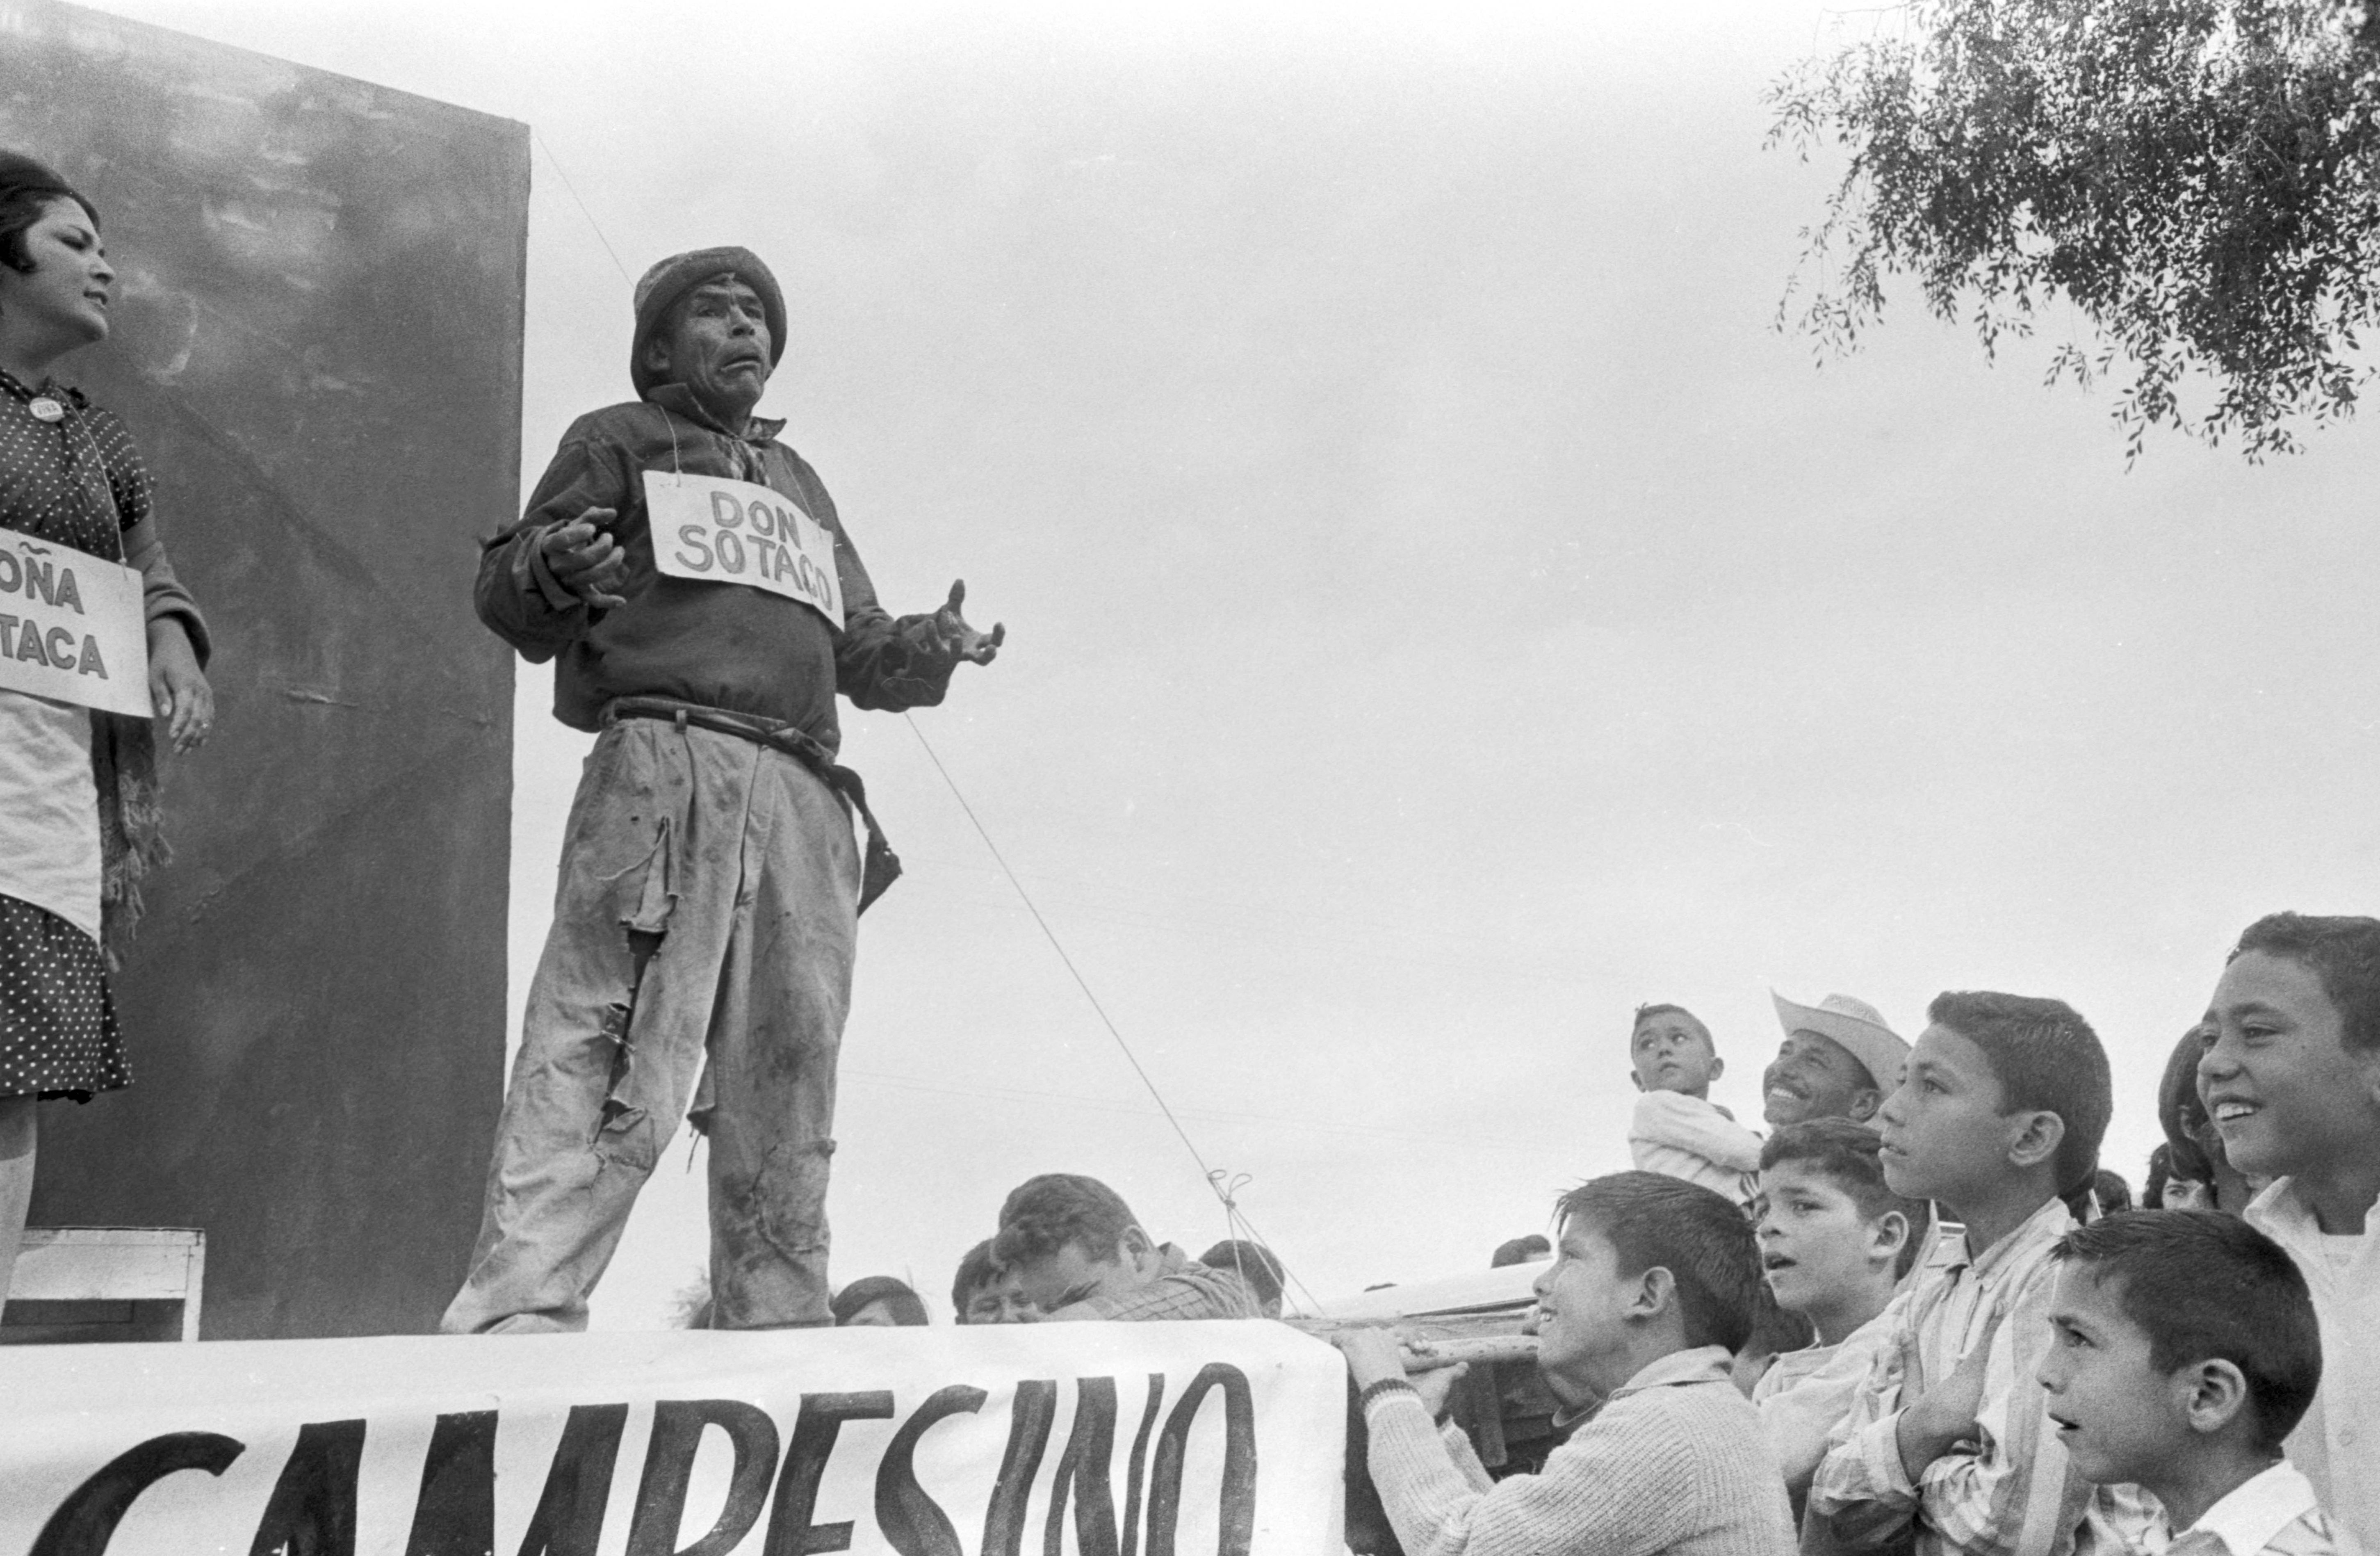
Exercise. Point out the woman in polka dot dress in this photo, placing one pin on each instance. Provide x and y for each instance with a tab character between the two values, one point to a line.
78	789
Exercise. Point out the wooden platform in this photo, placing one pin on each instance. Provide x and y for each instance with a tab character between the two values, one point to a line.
82	1283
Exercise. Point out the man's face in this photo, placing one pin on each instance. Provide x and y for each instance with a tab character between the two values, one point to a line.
1814	1076
1071	1275
2119	1417
65	299
716	342
1582	1316
2286	1093
1816	1246
1942	1130
1670	1051
999	1301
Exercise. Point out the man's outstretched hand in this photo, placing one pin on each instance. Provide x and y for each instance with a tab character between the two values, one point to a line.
957	639
584	560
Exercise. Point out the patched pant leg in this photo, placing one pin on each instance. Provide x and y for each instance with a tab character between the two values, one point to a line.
784	989
613	1034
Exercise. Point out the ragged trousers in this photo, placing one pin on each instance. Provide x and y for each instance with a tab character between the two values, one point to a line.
704	926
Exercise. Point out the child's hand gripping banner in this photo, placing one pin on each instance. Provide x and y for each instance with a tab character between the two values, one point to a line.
1048	1439
73	628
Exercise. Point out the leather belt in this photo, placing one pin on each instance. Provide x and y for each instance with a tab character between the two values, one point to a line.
881	868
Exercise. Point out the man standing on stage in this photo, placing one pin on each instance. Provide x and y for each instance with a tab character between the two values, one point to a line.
705	605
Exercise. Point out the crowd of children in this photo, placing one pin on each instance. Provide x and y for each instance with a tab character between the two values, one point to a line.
1997	1363
1918	1316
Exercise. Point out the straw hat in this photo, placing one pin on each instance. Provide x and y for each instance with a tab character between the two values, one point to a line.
1856	1025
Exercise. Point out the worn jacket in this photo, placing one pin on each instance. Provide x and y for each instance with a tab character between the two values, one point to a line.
721	645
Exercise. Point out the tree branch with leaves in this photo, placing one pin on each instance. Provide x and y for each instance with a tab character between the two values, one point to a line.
2197	178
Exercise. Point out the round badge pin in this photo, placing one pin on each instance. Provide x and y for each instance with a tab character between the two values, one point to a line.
47	410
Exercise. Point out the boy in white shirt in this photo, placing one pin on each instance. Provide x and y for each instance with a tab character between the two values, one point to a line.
2290	1071
1834	1244
1677	1129
2187	1350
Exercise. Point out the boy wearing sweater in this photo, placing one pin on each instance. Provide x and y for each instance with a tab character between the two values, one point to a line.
1651	1290
1999	1112
1676	1128
2290	1075
1835	1242
2187	1349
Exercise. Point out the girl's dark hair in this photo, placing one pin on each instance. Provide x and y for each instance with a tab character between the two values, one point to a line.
28	188
907	1311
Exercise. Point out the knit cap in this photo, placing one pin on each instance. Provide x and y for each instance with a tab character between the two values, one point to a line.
679	274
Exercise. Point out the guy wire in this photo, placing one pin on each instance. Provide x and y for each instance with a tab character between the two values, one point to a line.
1233	1216
591	223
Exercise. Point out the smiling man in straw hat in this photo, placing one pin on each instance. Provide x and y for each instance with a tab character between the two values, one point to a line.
1839	1060
703	606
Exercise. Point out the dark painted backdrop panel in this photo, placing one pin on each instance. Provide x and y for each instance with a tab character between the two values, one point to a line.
318	345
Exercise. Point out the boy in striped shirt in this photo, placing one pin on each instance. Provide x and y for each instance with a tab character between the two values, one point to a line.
1997	1118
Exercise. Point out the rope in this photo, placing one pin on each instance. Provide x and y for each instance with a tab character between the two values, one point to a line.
583	211
1217	1178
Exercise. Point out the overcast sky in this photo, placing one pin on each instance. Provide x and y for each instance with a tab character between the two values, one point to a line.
1443	612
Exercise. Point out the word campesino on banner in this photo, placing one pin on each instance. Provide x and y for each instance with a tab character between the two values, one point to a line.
1059	1440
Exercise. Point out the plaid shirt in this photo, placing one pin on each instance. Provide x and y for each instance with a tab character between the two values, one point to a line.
1183	1289
2011	1490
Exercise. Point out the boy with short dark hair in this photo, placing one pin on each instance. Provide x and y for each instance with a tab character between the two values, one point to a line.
1997	1117
1834	1244
2187	1349
1077	1252
982	1292
2290	1072
1676	1128
1651	1291
1255	1264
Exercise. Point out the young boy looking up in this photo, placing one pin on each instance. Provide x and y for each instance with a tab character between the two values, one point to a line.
1834	1244
1676	1128
1651	1290
1999	1113
982	1292
2290	1073
2186	1348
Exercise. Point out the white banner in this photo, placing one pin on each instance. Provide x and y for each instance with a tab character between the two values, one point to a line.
1052	1440
715	531
72	627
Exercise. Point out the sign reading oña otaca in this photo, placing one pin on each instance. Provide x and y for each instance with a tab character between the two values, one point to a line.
715	531
72	627
1050	1440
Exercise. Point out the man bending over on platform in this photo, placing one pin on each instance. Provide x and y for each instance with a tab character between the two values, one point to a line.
703	605
1651	1291
1077	1252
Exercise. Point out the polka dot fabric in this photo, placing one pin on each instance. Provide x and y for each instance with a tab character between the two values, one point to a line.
75	481
58	1036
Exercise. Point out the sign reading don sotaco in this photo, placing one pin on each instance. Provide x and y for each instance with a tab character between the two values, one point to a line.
1055	1439
715	531
72	627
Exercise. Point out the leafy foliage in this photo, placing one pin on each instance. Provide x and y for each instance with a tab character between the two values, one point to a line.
2196	177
